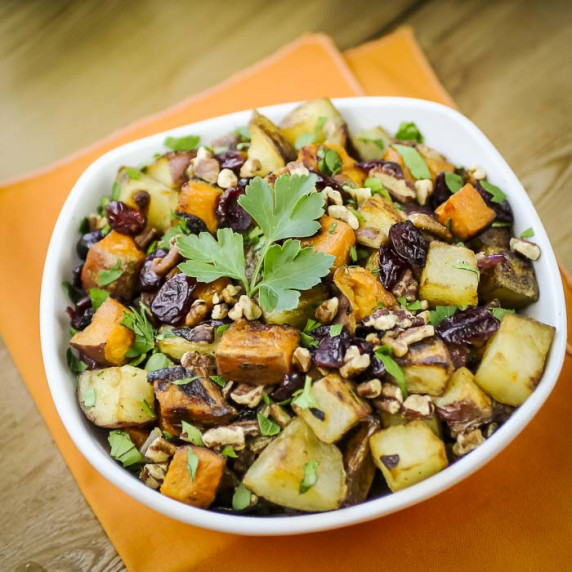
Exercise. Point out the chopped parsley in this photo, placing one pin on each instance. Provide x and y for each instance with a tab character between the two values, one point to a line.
309	138
158	361
468	267
106	277
497	195
310	476
138	323
454	182
500	313
123	449
336	330
392	367
241	498
88	397
329	161
413	160
147	408
192	463
185	380
75	365
267	427
188	143
528	233
303	398
229	451
98	297
408	131
219	380
440	313
191	434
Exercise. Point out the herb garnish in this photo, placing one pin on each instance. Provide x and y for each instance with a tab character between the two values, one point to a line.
528	233
98	297
73	294
303	398
376	187
75	365
440	313
123	449
105	277
310	476
191	434
500	313
497	195
384	353
138	323
336	330
192	463
379	143
147	408
413	161
219	380
88	397
411	306
241	498
158	361
188	143
408	131
454	182
329	161
229	451
468	267
309	138
267	426
185	380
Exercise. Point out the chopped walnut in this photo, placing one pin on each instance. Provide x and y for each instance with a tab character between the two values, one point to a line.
332	196
327	310
400	189
226	179
220	437
407	286
220	311
467	442
477	173
204	166
249	395
156	448
399	348
369	389
197	313
370	237
525	248
423	190
342	213
354	362
373	339
250	168
153	474
490	429
297	168
229	294
258	444
418	407
384	319
203	364
427	223
245	308
413	335
359	195
391	391
279	415
302	359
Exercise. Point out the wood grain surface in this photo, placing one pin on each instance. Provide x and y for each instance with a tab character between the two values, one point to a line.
72	72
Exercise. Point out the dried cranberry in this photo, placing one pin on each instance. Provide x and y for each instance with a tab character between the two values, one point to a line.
125	219
323	181
391	267
86	241
76	277
148	280
503	210
195	224
291	383
472	326
82	314
173	300
407	241
230	160
388	167
441	191
459	354
230	213
330	351
490	260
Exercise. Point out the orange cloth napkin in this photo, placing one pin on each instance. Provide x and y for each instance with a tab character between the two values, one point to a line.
514	514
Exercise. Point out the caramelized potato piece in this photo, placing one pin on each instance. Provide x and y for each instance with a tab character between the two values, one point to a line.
279	470
371	143
436	162
201	200
198	402
115	251
114	397
200	491
176	346
268	145
464	405
514	358
337	409
257	354
303	119
105	340
466	212
170	168
391	419
450	276
335	237
427	367
407	454
381	214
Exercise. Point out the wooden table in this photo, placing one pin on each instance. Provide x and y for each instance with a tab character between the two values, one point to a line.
73	72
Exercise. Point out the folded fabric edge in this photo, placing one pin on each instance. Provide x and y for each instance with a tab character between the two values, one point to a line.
323	39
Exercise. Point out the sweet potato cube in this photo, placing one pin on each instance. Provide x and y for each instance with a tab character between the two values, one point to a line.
450	276
105	340
200	199
335	237
467	212
514	358
255	353
115	252
201	490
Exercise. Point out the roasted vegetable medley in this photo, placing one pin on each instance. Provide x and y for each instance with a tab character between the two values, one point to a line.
297	318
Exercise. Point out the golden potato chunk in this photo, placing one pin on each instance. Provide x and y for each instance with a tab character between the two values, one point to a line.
514	358
201	490
380	214
371	143
116	397
105	340
407	454
337	408
450	276
279	471
170	168
115	253
257	354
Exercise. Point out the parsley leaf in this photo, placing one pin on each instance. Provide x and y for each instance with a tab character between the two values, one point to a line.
157	361
411	306
115	191
392	367
497	195
219	380
440	313
210	258
311	325
185	380
308	341
105	277
332	229
500	313
88	397
138	323
468	267
75	365
188	143
147	408
376	187
83	225
241	498
243	132
192	463
310	476
303	398
191	434
289	268
379	143
132	173
413	161
336	330
329	161
309	138
454	182
528	233
123	449
267	427
408	131
229	451
178	229
222	329
498	224
98	297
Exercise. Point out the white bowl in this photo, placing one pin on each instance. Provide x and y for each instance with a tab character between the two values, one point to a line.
444	129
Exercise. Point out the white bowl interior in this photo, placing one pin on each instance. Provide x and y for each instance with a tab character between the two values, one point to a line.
444	129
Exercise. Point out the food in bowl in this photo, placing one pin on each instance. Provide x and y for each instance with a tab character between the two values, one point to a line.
299	319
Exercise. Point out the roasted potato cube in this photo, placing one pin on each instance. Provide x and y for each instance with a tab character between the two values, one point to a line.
436	162
371	143
115	251
337	409
163	199
200	491
105	340
257	354
176	346
268	145
201	200
493	236
391	419
115	397
427	367
381	214
463	405
359	466
450	276
279	470
297	318
170	168
303	119
512	281
466	212
198	402
335	237
363	290
407	454
514	358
